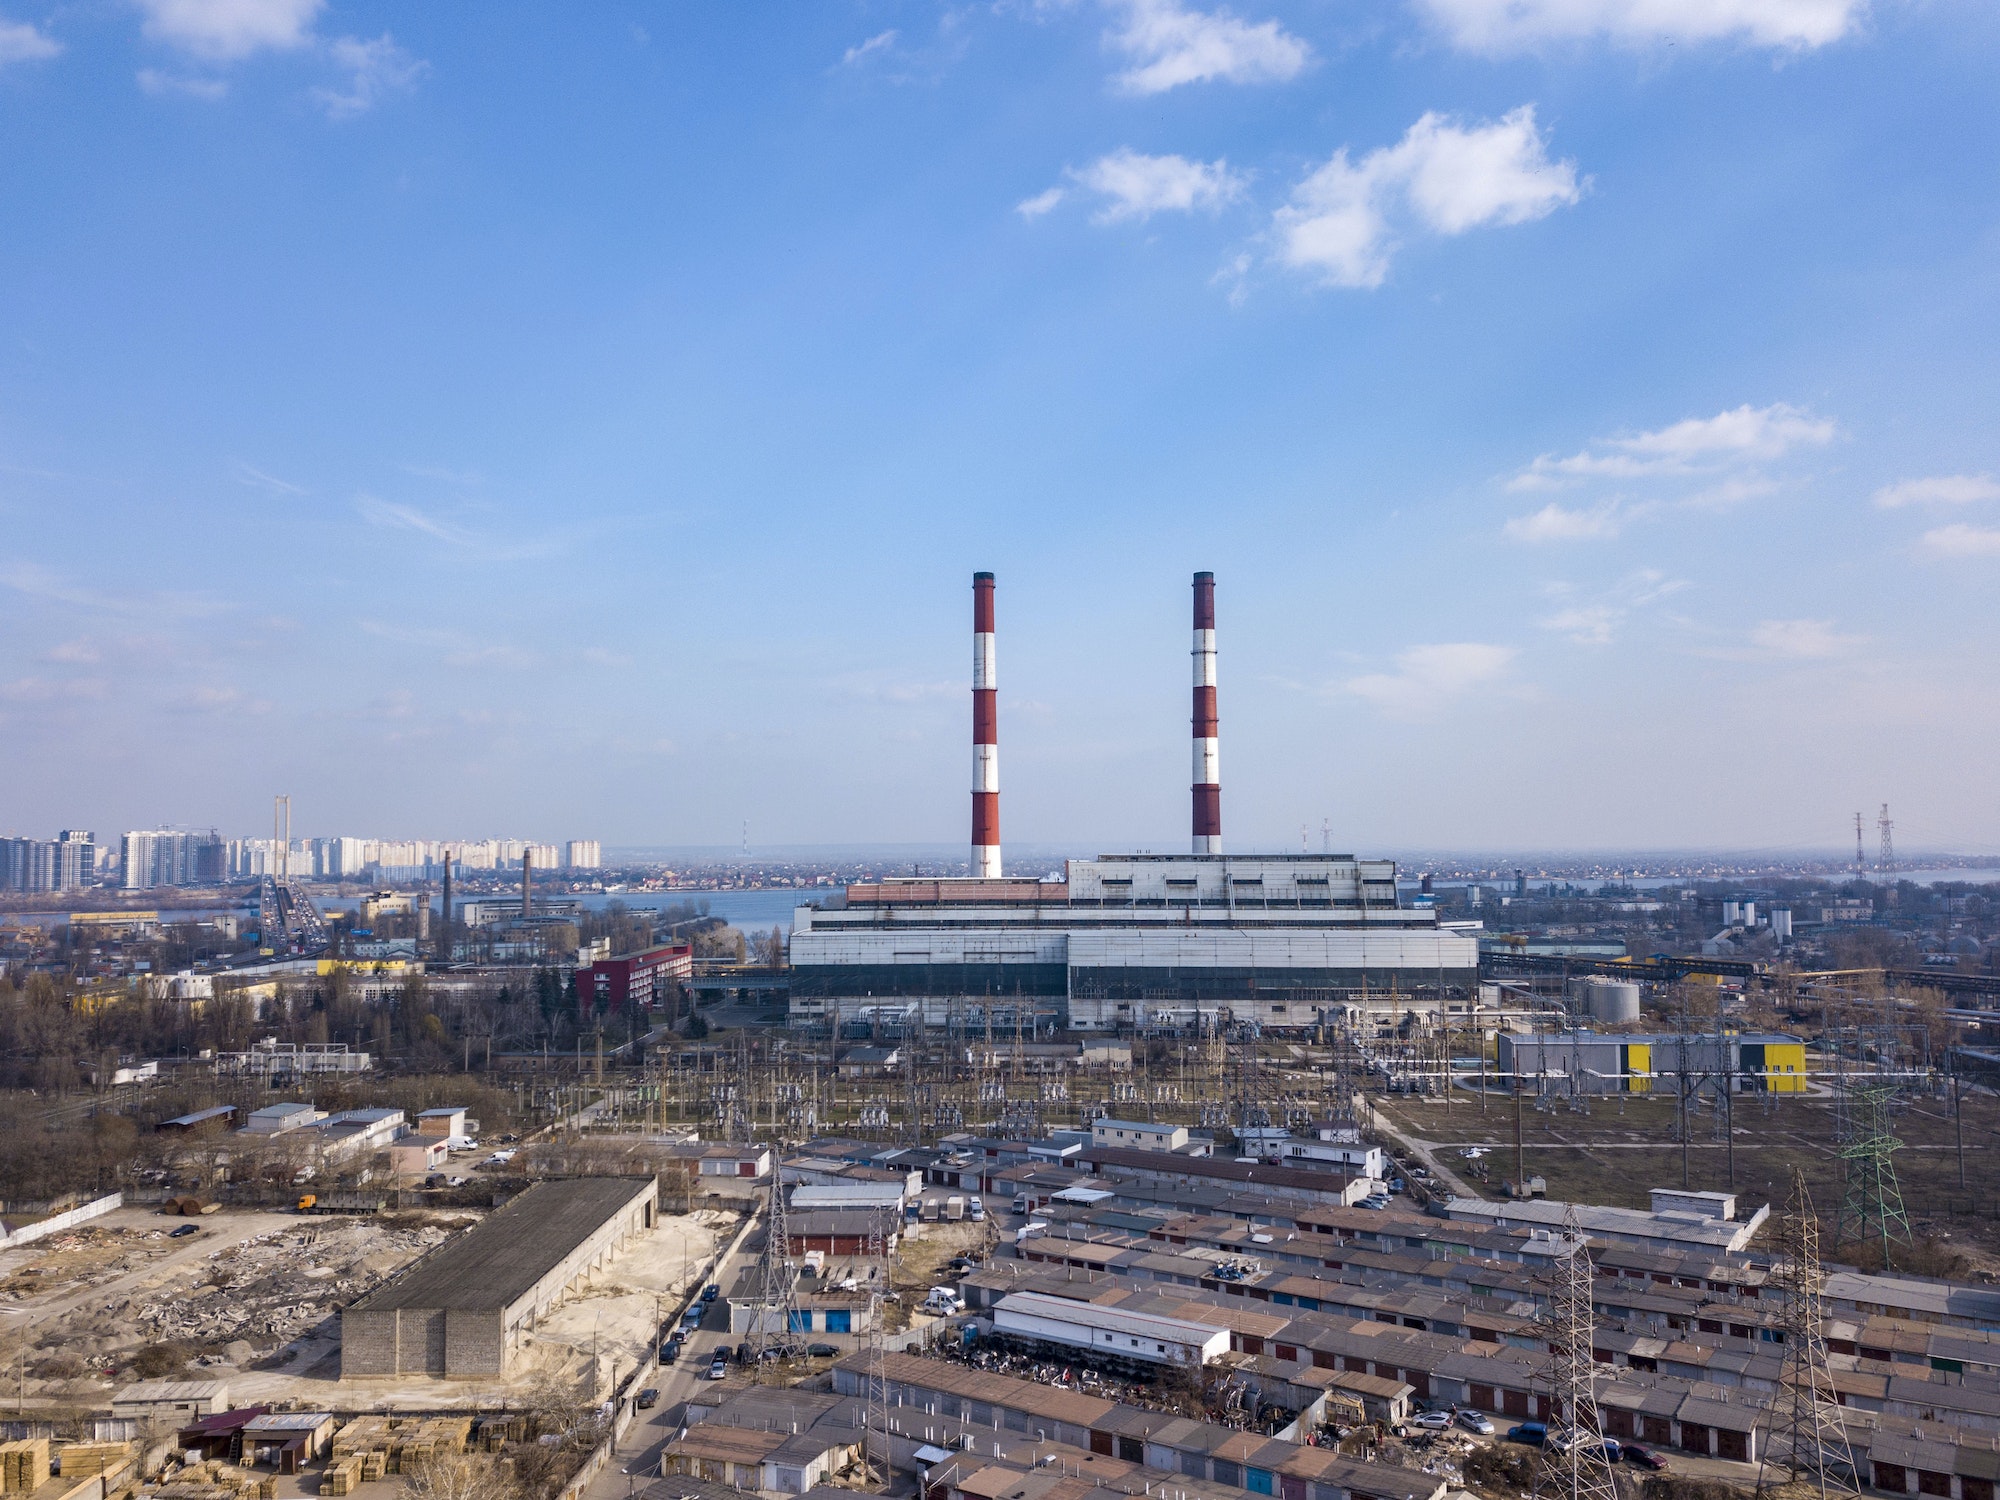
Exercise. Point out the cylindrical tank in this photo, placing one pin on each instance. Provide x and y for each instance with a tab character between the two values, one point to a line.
1613	1001
1781	924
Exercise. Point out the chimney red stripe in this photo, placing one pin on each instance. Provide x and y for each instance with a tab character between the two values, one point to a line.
985	817
982	603
1208	811
985	716
1204	713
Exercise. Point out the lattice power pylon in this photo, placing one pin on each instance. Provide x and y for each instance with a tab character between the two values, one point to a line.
1573	1464
777	1290
1807	1441
1871	1201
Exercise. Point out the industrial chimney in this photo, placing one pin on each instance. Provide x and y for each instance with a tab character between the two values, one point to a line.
527	883
444	934
1207	768
985	735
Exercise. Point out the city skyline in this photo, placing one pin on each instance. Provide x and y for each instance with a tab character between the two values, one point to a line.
593	422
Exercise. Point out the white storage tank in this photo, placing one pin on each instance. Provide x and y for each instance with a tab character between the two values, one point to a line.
1613	1001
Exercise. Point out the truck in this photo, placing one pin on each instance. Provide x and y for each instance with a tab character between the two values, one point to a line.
342	1203
942	1302
954	1207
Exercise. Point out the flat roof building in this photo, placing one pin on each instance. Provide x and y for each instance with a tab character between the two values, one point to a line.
1130	941
458	1313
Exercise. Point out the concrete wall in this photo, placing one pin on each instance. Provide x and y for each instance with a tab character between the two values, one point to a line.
55	1224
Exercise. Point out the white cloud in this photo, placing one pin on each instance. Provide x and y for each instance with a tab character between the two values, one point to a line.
224	30
1429	677
154	82
1171	44
1514	25
1801	639
408	518
374	68
1760	432
1442	177
1554	523
257	479
1139	186
82	652
1041	203
1961	540
1747	434
1591	625
1945	489
20	42
862	51
1598	622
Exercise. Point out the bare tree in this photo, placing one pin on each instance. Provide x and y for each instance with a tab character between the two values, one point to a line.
459	1476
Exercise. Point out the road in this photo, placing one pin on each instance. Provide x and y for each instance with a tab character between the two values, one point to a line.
638	1455
1423	1151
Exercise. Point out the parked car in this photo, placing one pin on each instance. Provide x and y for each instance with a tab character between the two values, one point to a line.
1534	1434
977	1208
454	1182
710	1292
650	1396
182	1233
1476	1421
670	1351
823	1351
1432	1421
718	1367
1642	1458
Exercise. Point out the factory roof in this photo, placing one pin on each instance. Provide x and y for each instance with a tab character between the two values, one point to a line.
490	1266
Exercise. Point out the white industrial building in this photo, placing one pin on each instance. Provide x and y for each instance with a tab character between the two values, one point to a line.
1132	941
1109	1333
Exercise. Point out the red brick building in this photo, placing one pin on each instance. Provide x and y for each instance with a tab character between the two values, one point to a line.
650	977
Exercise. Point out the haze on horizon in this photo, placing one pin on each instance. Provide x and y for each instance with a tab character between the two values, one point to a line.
585	422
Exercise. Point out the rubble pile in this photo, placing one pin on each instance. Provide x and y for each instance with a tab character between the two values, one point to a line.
271	1290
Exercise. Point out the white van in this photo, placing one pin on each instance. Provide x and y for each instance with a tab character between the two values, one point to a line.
976	1210
942	1302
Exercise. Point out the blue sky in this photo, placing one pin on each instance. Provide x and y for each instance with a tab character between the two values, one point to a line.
584	420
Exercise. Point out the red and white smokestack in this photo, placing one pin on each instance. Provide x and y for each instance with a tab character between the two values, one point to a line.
1207	763
985	734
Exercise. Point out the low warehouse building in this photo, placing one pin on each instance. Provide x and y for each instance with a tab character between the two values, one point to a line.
1108	1332
460	1310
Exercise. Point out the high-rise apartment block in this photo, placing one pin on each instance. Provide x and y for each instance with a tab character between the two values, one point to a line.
583	854
165	856
66	862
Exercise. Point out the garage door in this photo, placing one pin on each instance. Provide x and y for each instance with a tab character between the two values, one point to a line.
839	1322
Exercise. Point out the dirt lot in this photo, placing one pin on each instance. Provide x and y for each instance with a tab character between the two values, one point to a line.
1621	1148
253	1298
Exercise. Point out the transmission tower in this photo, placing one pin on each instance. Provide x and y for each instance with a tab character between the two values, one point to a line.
1860	859
777	1291
1806	1437
1885	827
1871	1202
1573	1465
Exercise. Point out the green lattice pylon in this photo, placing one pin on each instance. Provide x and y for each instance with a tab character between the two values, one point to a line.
1871	1203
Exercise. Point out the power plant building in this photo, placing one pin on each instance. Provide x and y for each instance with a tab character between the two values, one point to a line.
1132	941
1591	1062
